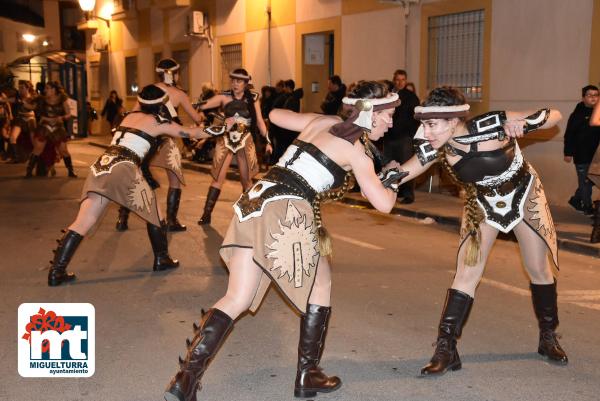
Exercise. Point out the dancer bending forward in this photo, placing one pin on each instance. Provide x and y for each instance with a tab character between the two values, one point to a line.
276	234
116	176
504	194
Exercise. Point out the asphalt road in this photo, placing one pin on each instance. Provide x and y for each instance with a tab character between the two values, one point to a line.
390	278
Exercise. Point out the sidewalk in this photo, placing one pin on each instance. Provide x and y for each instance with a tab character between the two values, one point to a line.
573	228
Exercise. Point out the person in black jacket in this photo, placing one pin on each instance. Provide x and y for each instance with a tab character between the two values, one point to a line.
112	108
398	143
333	100
581	141
288	100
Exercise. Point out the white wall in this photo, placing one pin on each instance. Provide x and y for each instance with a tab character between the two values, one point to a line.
541	64
372	44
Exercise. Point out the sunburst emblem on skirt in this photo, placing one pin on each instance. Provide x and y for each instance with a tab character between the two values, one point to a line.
539	207
294	249
174	156
140	195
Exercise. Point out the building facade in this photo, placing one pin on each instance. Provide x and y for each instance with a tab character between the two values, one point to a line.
505	54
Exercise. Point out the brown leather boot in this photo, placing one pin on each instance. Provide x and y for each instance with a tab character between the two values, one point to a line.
207	340
67	246
211	200
456	311
546	310
310	378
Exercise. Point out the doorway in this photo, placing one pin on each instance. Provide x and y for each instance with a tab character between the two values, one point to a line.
317	67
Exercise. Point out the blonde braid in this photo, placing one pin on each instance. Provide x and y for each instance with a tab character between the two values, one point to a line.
325	248
474	215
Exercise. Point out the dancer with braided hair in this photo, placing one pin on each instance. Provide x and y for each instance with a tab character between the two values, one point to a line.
504	193
277	236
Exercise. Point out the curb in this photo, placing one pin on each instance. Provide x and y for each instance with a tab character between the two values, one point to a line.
563	244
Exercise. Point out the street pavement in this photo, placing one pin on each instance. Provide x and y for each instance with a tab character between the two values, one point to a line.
389	282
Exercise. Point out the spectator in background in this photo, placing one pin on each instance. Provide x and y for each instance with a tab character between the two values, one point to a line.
289	100
112	108
398	142
333	100
581	141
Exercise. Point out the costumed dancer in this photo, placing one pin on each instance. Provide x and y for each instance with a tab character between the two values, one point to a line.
276	235
594	175
243	116
504	193
23	119
168	155
53	110
116	176
5	120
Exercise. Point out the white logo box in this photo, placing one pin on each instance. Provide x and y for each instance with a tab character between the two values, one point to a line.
78	363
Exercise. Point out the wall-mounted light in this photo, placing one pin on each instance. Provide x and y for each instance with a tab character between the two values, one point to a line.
29	38
87	5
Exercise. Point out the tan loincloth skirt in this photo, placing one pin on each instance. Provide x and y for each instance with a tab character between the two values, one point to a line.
168	156
124	184
285	246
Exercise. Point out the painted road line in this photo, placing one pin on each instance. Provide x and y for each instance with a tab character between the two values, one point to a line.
357	242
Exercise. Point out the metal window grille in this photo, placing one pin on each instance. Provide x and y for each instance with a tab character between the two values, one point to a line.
183	59
456	52
231	58
131	76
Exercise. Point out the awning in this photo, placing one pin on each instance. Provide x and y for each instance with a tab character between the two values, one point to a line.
56	56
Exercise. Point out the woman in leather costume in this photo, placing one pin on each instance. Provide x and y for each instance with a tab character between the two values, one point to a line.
504	193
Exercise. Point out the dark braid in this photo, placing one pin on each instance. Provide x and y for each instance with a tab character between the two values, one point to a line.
474	214
332	195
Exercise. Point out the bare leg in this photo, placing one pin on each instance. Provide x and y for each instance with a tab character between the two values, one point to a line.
244	278
173	180
89	212
321	292
535	255
467	277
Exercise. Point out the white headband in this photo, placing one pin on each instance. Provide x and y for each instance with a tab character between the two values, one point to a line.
240	76
366	106
433	112
165	100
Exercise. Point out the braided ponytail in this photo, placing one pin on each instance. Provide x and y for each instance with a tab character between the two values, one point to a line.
325	248
474	215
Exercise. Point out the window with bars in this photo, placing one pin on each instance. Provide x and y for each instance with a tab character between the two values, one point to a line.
231	58
131	76
456	52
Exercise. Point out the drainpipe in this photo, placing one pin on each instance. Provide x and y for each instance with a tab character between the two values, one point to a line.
269	42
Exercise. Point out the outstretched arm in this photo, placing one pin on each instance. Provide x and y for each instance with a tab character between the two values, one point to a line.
179	131
382	198
518	123
291	120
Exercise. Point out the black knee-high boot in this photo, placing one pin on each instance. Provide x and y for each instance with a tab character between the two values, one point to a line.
160	247
33	161
211	200
173	199
595	237
123	219
69	165
207	340
67	246
546	310
455	314
310	379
